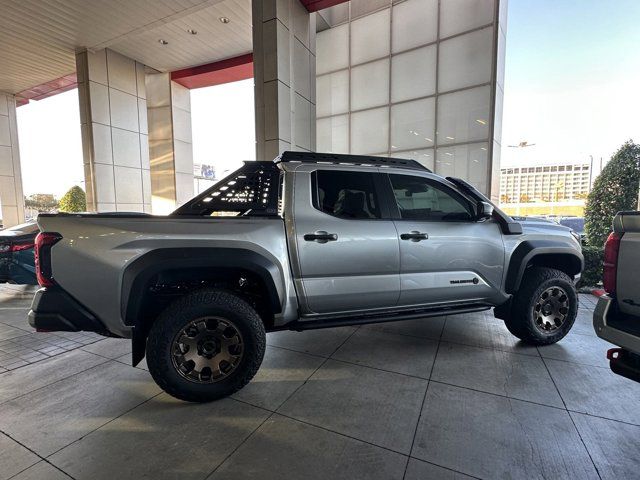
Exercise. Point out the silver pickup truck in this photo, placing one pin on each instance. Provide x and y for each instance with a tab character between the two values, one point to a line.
617	315
306	241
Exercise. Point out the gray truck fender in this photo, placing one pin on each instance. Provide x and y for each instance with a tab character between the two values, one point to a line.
526	252
138	275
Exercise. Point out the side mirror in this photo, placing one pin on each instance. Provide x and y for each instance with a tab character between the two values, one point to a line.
485	210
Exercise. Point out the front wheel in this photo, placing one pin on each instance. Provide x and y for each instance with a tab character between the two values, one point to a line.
205	346
544	308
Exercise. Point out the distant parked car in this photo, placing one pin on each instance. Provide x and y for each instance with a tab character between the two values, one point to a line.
17	254
574	223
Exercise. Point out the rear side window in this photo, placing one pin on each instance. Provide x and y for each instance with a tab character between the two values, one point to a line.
349	195
420	199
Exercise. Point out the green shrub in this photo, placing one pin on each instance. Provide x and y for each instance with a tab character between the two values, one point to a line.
615	189
73	201
593	261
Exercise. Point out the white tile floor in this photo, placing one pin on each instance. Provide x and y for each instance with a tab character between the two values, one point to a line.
437	398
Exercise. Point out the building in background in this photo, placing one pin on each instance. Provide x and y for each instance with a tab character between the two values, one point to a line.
555	189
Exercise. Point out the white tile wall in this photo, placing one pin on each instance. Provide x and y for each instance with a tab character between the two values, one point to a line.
465	60
332	93
122	72
413	124
464	116
370	37
11	194
332	49
415	23
333	134
370	85
370	131
365	107
124	110
114	126
126	148
413	74
457	16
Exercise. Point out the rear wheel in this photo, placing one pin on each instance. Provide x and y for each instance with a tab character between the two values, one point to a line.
544	308
205	346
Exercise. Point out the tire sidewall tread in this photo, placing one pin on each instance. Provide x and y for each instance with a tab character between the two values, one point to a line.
521	322
187	308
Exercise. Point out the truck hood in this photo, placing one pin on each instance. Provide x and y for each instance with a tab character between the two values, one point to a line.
545	228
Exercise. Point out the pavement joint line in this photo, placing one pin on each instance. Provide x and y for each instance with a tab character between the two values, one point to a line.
572	420
424	397
273	412
50	384
44	459
106	423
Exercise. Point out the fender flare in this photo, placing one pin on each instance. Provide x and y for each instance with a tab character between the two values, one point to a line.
139	273
527	250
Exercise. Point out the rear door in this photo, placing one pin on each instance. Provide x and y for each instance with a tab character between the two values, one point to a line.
347	245
446	254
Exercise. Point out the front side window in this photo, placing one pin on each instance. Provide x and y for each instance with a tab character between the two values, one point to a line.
420	199
349	195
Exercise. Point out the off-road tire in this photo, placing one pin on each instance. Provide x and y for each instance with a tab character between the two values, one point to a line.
522	322
176	316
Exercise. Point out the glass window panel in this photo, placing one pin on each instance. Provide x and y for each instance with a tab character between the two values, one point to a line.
465	60
464	116
415	23
425	200
332	49
332	134
424	156
370	37
413	74
468	162
349	195
457	16
370	85
412	124
332	93
370	131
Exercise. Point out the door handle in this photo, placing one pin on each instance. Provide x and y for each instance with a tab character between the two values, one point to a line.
320	236
414	236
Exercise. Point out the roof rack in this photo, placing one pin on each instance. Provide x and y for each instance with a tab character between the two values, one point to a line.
360	160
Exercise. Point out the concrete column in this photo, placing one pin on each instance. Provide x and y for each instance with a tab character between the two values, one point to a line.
11	195
113	116
170	144
284	73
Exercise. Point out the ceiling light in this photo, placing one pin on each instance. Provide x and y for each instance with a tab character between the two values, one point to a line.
192	31
224	19
449	138
163	42
480	121
448	153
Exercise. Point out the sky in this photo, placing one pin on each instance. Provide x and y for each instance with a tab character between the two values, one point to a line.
572	88
572	79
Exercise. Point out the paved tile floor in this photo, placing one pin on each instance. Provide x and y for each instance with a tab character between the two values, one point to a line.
441	398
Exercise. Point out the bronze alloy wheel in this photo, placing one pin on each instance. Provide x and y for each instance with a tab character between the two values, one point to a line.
551	309
207	350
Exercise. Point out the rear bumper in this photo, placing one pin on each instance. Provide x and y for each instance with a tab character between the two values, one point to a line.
624	361
602	317
53	309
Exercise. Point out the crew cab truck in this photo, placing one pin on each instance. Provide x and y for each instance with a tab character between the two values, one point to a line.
305	241
617	314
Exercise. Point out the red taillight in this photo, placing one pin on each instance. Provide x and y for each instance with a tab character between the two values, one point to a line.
16	247
611	249
44	242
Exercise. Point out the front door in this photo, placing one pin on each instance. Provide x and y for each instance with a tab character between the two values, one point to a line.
347	246
446	254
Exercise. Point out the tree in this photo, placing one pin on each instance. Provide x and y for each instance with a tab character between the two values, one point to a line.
42	202
73	201
614	190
